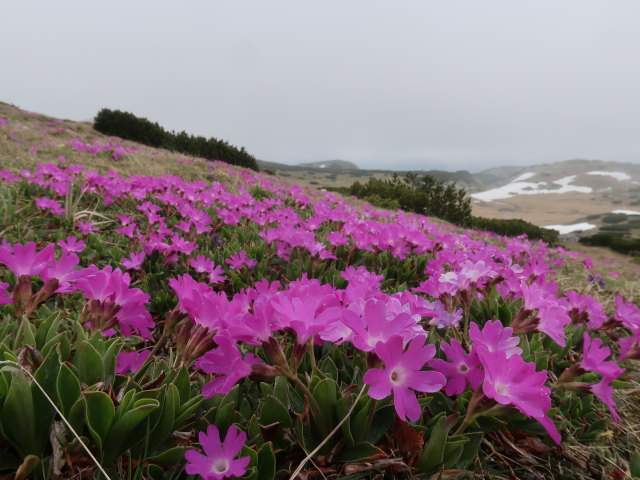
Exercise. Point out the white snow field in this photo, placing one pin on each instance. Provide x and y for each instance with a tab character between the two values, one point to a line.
617	175
576	227
627	212
520	187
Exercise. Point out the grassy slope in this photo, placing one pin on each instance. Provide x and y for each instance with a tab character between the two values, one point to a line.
17	152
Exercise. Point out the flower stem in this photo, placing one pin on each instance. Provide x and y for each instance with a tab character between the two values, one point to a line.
312	401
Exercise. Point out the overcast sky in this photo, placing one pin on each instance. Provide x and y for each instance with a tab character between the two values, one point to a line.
385	84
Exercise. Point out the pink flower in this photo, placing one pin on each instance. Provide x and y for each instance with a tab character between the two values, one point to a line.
238	259
46	203
216	275
594	358
72	245
512	381
64	270
460	369
377	325
134	262
227	362
23	259
403	373
86	227
218	461
494	337
202	264
130	361
604	391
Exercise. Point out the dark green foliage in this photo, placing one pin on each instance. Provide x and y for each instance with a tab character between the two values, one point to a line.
514	227
126	125
615	242
614	218
420	194
428	196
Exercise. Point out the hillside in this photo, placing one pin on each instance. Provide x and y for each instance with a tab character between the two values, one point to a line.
563	193
229	321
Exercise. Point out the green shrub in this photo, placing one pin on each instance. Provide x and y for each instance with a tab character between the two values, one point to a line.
425	195
126	125
614	218
629	246
515	227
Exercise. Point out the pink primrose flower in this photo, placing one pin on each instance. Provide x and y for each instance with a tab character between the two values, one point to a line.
494	337
71	245
509	380
134	261
23	259
227	362
239	259
461	368
219	460
402	374
131	361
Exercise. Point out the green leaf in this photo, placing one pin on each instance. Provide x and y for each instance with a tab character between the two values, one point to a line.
266	462
46	376
470	450
119	437
89	364
47	329
281	389
100	412
164	427
109	361
18	417
170	457
224	416
358	452
274	411
183	384
634	465
342	408
68	388
433	452
325	393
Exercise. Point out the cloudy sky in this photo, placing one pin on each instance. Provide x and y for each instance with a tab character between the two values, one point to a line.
386	84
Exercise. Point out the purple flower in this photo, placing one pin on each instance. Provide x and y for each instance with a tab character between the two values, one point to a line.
238	259
219	460
131	361
460	369
402	373
134	262
23	259
494	337
226	361
512	381
72	245
86	227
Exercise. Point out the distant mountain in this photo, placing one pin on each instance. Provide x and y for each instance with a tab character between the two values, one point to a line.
331	165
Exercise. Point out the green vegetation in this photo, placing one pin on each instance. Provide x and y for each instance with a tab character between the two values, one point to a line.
425	195
130	127
614	218
630	246
428	196
514	227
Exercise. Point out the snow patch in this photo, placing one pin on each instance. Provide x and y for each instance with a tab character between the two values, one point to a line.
627	212
524	176
529	188
576	227
617	175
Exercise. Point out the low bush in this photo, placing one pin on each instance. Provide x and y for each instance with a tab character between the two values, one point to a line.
614	218
515	227
630	246
130	127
